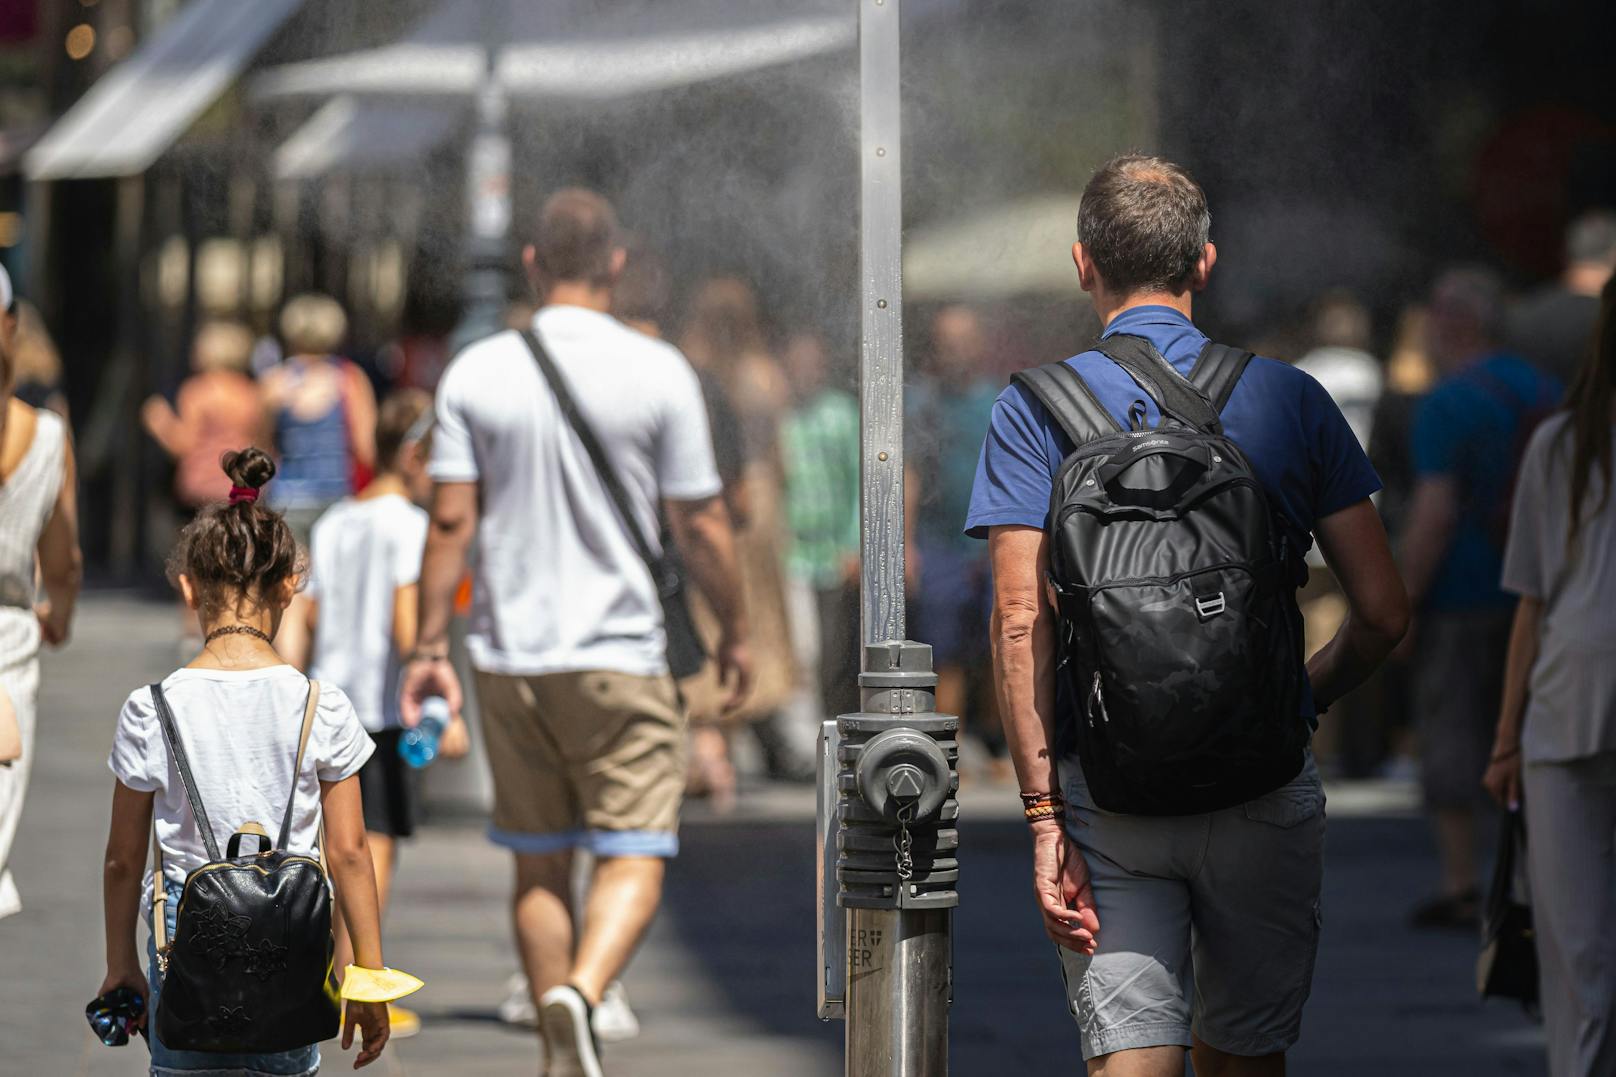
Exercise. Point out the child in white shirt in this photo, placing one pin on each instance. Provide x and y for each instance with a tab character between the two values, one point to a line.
238	708
364	561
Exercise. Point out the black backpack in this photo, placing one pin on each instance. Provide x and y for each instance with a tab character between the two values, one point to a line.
249	970
1180	638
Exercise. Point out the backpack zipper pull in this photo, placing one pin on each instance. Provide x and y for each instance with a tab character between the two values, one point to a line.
1097	695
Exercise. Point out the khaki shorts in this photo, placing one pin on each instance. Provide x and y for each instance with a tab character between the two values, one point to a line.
592	759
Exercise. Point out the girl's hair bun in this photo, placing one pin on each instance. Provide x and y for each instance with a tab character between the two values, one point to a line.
250	467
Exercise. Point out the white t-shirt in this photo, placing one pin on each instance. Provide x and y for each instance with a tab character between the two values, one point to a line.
558	584
360	553
239	729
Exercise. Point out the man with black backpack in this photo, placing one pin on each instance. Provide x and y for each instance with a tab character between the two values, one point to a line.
1148	504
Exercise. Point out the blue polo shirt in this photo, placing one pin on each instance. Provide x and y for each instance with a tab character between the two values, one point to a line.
1298	442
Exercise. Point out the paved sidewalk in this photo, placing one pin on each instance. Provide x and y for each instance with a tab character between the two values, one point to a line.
724	985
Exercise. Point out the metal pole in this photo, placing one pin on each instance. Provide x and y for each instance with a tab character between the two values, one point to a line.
898	959
488	198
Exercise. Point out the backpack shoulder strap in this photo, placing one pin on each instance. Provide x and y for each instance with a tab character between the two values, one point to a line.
1173	393
1216	371
309	706
176	748
1069	401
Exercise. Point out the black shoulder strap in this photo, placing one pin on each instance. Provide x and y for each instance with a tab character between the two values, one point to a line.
1173	394
1216	371
171	733
597	454
1069	401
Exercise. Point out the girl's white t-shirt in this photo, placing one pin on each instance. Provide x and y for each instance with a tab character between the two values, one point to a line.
239	729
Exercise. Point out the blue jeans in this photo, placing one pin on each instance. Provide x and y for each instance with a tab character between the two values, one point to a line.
300	1062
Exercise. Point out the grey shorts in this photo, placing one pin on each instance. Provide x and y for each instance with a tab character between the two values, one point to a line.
1209	924
1458	682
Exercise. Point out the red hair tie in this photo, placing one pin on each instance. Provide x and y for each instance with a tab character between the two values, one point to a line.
243	493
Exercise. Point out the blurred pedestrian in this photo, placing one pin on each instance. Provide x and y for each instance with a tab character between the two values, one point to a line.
1339	359
362	600
723	336
819	447
1555	745
1466	440
217	408
323	413
235	710
39	550
1550	327
949	410
36	364
641	300
580	715
1176	931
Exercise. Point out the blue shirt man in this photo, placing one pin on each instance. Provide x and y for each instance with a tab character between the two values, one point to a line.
1196	931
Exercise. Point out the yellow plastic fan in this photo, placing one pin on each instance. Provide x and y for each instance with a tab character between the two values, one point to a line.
377	985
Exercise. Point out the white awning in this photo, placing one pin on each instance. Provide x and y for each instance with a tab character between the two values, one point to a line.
349	131
577	51
1015	249
138	109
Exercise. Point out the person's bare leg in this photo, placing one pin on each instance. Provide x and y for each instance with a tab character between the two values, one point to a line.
1456	840
1140	1062
1211	1062
951	692
623	900
381	854
542	911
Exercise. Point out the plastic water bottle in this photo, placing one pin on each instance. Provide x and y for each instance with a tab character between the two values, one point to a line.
419	746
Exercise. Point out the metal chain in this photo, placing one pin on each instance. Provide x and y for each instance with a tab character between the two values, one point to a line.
902	842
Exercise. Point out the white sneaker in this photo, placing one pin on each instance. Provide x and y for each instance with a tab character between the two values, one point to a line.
518	1008
569	1042
613	1020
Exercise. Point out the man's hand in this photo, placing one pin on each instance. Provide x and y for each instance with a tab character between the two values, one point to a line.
371	1020
1060	879
52	629
734	659
423	678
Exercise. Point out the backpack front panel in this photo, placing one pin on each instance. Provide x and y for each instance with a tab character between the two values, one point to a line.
250	968
1178	624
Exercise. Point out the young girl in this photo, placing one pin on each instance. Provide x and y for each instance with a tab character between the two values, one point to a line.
238	708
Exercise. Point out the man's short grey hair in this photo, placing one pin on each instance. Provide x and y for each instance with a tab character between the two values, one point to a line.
1144	222
1592	238
1476	291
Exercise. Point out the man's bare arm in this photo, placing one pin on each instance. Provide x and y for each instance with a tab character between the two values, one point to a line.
452	526
1354	543
1432	516
1023	641
701	529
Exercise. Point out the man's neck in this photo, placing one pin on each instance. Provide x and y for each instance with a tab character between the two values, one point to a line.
1585	278
570	293
1108	306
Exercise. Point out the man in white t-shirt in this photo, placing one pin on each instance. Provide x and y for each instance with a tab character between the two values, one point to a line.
584	729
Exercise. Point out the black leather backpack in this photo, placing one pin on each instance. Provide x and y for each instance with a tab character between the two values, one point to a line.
249	970
1175	579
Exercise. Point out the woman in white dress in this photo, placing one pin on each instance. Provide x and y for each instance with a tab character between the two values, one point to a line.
39	548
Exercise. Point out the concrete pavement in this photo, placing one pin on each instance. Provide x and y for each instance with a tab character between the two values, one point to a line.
724	985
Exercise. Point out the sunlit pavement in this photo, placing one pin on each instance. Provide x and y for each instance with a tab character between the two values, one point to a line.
725	983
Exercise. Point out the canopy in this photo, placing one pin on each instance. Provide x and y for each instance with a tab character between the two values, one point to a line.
575	50
349	131
138	109
1013	249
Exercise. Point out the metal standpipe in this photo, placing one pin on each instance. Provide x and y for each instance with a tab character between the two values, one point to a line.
888	867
